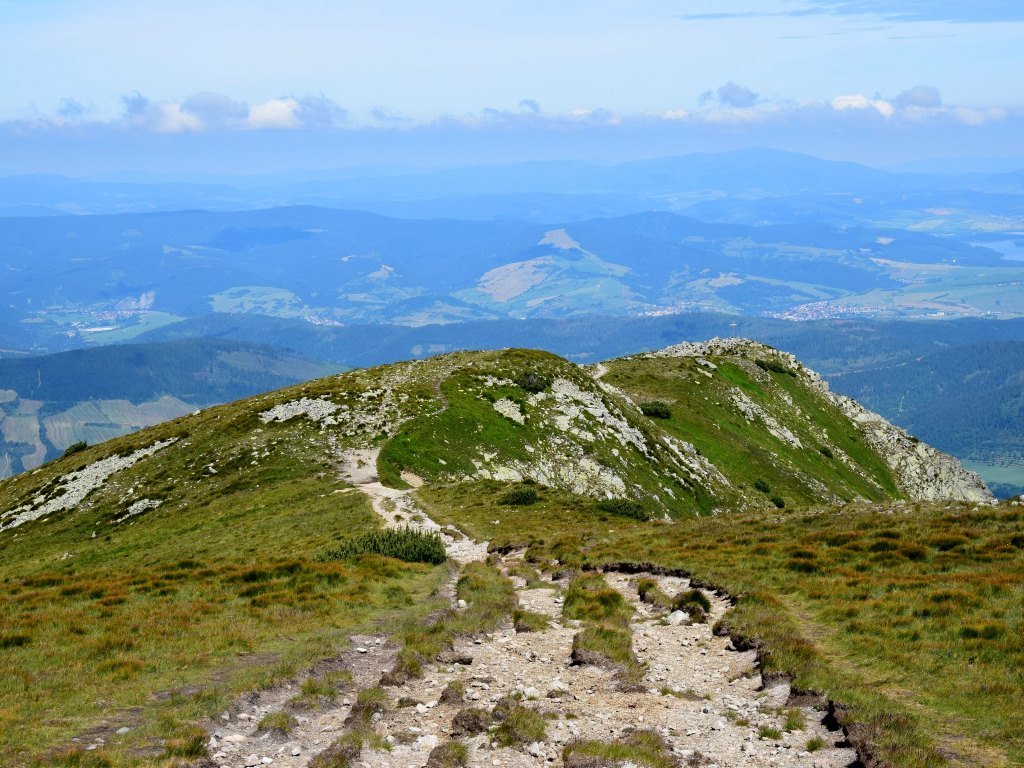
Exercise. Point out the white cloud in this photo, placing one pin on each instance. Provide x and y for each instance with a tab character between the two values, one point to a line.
276	114
858	101
171	118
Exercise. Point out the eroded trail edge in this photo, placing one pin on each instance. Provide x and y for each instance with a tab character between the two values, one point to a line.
703	700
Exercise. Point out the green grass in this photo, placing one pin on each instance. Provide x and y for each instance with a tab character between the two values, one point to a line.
641	748
912	619
315	691
529	621
815	743
795	720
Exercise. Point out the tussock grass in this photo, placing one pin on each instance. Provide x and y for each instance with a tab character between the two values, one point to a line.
529	621
281	722
518	724
451	754
641	748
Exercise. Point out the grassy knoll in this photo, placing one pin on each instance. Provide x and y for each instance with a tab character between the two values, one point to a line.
912	615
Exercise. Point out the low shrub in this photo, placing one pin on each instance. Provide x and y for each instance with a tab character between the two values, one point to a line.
656	410
520	496
74	448
402	544
774	366
533	382
762	485
624	508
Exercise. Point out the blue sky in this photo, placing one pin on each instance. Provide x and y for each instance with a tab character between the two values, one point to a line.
860	79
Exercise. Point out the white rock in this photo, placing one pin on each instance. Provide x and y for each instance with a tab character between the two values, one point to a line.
252	761
678	617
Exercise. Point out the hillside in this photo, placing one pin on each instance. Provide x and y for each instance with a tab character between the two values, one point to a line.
223	553
50	402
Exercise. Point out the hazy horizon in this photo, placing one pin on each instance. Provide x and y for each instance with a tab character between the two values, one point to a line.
228	88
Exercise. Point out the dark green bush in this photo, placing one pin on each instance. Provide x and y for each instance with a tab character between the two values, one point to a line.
656	410
624	508
81	445
520	496
825	451
402	544
533	382
778	501
762	485
773	366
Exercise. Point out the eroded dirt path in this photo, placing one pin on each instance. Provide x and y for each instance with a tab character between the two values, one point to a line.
701	696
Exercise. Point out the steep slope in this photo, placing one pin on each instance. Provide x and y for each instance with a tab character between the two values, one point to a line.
751	408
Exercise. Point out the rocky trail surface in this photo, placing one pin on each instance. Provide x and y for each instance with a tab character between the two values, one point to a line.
702	698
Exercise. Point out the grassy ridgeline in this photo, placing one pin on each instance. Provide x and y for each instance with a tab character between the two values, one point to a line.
913	618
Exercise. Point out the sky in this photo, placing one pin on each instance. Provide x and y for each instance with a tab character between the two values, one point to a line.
234	86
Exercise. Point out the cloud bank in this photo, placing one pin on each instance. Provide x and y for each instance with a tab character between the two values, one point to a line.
210	132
